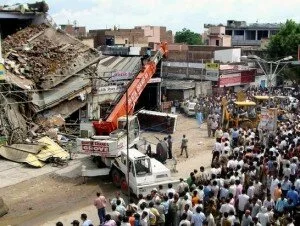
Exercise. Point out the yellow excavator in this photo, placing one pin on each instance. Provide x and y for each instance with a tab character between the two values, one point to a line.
242	115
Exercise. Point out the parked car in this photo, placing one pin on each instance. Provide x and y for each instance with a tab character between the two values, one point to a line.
189	108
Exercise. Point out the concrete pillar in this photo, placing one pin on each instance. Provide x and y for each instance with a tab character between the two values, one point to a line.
244	35
255	35
269	33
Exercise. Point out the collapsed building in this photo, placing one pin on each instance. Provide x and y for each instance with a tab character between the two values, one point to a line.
46	75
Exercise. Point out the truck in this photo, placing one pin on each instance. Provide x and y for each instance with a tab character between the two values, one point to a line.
125	163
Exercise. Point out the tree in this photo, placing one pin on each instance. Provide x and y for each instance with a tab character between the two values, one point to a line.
285	42
189	37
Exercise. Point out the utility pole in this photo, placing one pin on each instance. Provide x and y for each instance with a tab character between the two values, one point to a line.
127	145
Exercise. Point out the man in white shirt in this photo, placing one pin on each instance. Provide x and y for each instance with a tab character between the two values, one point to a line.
242	200
217	150
184	220
250	191
170	189
263	216
226	207
85	221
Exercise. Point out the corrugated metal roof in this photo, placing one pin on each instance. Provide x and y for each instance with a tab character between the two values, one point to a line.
118	63
178	84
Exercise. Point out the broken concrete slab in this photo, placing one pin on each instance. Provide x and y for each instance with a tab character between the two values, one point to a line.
20	156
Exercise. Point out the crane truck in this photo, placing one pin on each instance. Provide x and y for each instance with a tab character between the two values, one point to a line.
109	145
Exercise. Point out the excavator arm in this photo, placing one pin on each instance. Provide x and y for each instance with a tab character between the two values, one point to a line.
134	91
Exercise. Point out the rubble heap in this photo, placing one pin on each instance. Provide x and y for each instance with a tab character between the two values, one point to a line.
35	56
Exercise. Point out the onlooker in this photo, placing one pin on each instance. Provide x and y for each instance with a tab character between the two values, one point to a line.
100	203
184	142
85	221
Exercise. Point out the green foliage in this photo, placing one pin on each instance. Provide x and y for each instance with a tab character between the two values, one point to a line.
285	42
292	74
189	37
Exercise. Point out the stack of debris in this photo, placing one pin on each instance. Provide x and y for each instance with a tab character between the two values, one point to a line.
40	53
47	80
36	154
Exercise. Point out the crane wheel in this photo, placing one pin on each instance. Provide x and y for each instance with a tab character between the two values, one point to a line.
124	186
116	177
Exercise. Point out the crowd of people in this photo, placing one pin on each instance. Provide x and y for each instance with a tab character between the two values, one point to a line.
253	181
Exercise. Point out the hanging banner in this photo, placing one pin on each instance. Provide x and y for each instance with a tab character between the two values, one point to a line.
268	119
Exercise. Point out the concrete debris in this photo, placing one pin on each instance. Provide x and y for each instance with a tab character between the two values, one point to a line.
56	120
41	7
37	59
20	156
44	84
35	155
46	56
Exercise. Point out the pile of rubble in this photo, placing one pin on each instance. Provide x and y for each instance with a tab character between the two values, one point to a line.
36	59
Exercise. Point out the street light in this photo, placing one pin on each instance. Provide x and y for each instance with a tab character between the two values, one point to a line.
271	74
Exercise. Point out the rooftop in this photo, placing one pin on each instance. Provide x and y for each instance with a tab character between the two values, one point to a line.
243	24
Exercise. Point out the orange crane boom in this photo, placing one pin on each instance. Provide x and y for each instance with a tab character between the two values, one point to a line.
134	91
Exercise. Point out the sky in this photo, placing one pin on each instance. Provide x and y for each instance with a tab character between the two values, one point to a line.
174	14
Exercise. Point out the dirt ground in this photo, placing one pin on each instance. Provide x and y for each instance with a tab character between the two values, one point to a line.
46	199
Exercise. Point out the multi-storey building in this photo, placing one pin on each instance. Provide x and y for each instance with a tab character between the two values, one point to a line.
243	34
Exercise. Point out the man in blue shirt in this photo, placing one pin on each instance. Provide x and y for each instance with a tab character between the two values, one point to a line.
293	195
280	204
198	217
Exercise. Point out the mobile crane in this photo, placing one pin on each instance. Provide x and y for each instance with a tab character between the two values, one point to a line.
109	145
134	91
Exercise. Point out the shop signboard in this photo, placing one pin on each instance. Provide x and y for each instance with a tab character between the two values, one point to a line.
109	89
121	75
212	66
211	75
230	80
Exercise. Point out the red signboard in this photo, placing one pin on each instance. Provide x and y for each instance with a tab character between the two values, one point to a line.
248	76
95	148
236	79
230	80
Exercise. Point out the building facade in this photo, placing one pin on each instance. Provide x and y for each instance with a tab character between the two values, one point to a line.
215	36
76	31
138	36
243	34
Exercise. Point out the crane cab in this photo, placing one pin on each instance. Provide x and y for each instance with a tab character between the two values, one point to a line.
133	128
